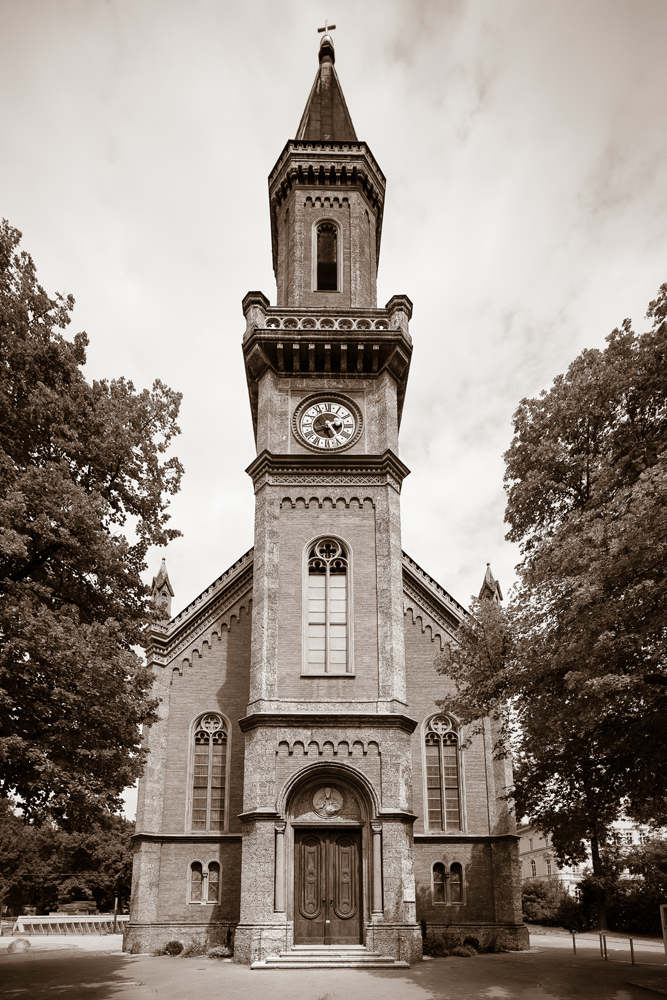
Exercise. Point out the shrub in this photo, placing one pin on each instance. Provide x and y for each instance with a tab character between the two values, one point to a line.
220	951
441	944
540	902
572	914
173	948
193	950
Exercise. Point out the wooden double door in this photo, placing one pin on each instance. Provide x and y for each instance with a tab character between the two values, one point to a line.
327	887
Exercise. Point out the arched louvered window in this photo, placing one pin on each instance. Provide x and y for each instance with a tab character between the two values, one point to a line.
327	635
327	257
210	770
533	869
438	882
442	775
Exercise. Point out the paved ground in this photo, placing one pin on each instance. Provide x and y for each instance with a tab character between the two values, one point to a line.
549	970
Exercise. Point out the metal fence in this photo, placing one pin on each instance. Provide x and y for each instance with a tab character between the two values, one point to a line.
65	923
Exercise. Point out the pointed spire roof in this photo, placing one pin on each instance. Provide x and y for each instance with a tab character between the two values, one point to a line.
162	579
490	588
326	118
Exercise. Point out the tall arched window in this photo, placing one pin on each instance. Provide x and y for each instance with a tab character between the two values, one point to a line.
327	629
210	769
442	775
327	257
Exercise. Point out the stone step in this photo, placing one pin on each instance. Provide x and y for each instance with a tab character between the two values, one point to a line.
329	957
348	963
328	947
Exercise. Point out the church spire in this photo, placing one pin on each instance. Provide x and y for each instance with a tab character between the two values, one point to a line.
162	591
490	588
326	118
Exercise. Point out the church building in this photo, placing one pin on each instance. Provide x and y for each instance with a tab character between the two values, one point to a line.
305	793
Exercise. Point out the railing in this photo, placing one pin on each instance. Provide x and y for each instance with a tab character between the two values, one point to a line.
65	923
345	323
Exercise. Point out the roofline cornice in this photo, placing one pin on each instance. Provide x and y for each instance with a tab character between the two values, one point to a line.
301	720
267	464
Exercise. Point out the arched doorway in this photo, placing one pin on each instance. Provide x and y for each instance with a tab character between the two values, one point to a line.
330	874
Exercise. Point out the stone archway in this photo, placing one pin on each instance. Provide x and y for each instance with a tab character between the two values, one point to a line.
328	854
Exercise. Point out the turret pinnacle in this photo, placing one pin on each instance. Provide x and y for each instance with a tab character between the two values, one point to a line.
162	591
326	118
490	588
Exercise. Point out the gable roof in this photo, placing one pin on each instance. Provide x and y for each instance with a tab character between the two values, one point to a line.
423	596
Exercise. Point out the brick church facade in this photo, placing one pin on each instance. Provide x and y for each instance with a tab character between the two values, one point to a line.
303	787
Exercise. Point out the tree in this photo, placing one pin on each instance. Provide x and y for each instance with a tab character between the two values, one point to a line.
580	676
84	490
44	866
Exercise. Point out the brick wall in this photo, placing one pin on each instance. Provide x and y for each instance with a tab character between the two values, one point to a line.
356	218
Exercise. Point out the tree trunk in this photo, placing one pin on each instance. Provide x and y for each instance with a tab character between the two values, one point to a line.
600	895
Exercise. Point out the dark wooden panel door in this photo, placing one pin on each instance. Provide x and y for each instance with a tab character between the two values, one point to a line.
327	887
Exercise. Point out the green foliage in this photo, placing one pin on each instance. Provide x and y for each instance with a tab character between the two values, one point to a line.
634	903
441	944
220	951
45	866
172	948
541	900
576	671
84	490
194	950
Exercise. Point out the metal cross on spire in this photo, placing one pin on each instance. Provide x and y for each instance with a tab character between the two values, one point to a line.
327	27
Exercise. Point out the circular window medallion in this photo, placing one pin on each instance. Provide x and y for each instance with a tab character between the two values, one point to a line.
328	802
327	422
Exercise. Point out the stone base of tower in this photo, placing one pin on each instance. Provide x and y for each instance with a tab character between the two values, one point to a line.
256	942
400	941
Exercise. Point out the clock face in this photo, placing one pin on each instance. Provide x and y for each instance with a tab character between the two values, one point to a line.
328	423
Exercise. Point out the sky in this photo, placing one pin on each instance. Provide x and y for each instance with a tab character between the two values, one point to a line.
524	145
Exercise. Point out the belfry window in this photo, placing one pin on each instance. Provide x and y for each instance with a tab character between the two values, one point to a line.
327	257
327	636
209	773
442	775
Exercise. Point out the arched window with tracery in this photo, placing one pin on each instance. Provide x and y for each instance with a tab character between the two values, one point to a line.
455	882
209	773
443	792
196	881
204	882
438	882
328	600
447	885
327	257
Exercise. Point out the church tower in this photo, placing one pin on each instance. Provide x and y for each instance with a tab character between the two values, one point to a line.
327	372
306	786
